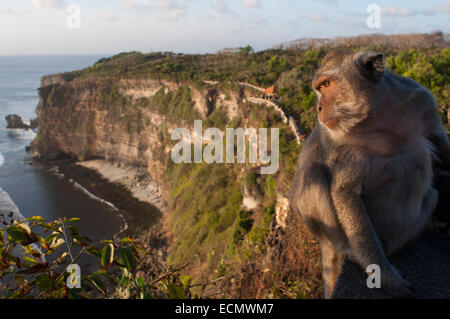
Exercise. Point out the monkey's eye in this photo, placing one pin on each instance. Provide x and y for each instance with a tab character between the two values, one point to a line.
323	84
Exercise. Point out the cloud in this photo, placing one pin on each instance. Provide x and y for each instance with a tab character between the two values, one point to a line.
6	10
249	22
317	18
170	9
238	22
394	11
108	17
175	14
221	6
436	9
251	3
332	2
58	4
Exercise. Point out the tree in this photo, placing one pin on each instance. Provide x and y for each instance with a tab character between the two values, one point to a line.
246	50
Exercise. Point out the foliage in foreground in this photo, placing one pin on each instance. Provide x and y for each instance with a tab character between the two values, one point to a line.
36	258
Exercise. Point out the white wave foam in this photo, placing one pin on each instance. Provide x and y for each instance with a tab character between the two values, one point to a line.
8	206
22	134
92	196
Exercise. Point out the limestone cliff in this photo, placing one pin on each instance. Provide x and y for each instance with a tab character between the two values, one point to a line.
119	120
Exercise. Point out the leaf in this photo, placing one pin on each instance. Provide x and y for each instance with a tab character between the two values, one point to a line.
35	219
44	282
41	240
74	220
61	258
35	269
126	240
176	292
48	226
12	260
80	240
128	257
140	282
56	243
102	273
107	256
73	231
1	236
51	237
186	281
98	283
93	251
30	260
21	234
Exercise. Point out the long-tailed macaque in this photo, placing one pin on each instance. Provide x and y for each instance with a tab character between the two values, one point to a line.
363	183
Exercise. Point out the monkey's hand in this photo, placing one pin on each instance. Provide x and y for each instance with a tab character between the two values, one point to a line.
394	284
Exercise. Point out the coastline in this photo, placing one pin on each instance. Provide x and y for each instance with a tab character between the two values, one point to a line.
134	179
144	219
139	215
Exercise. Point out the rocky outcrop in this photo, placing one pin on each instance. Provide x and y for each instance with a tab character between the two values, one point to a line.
424	264
15	121
125	121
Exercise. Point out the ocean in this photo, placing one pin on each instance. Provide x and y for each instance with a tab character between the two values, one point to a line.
33	189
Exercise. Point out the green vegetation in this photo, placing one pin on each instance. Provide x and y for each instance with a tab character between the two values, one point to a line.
177	105
24	274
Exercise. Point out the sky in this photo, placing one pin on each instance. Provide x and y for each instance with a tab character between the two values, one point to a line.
29	27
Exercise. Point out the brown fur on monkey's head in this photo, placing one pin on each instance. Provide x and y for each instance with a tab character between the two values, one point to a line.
345	84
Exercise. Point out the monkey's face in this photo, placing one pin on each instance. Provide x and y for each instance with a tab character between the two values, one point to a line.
328	92
344	86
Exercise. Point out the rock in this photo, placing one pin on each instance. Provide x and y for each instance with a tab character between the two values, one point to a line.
34	123
15	121
424	264
281	210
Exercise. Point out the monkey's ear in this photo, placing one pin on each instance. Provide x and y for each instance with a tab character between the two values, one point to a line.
373	67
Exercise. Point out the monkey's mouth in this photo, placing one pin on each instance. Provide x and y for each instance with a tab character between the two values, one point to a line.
330	122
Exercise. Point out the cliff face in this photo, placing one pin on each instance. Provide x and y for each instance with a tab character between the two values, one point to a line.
119	120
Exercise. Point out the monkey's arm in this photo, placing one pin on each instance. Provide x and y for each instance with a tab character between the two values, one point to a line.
364	244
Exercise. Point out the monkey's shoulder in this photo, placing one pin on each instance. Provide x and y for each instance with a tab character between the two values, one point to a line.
408	93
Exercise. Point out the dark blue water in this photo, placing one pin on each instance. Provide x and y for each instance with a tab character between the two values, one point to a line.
35	190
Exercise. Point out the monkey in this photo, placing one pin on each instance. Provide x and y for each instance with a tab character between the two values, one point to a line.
363	183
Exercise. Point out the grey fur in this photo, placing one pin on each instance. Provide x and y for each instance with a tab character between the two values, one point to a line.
364	187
